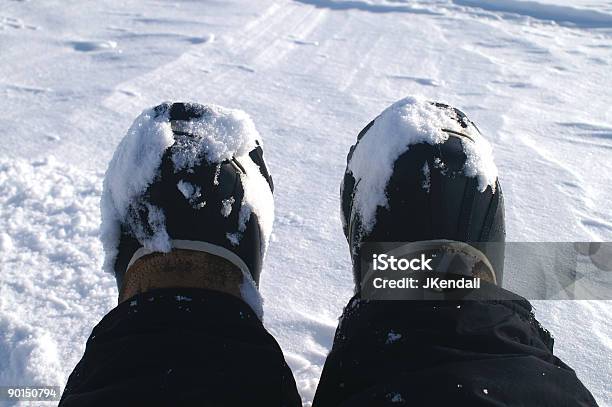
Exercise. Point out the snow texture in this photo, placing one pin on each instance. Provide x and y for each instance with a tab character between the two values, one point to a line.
226	206
192	193
561	14
187	189
427	174
49	247
234	238
405	123
258	200
219	135
311	73
249	292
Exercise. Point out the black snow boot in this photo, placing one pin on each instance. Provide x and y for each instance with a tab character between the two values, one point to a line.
429	195
202	203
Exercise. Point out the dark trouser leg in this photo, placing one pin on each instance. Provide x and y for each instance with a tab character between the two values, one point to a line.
425	353
181	347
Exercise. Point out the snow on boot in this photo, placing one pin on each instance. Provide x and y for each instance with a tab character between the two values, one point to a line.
188	176
421	172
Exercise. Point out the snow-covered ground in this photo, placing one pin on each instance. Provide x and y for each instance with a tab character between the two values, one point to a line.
533	75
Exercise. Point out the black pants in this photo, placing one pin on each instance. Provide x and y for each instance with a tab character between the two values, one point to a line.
204	348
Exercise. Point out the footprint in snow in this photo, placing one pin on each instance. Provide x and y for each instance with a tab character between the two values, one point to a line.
420	81
15	23
91	46
303	42
290	219
205	39
26	89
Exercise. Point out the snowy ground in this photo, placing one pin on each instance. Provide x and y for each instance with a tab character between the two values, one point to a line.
534	76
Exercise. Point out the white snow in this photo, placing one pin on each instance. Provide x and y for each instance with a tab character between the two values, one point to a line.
192	193
219	135
258	200
133	167
408	122
234	238
531	74
395	397
226	206
50	261
561	14
251	295
393	337
427	174
187	189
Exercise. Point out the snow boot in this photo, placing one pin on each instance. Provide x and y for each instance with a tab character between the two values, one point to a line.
422	172
191	177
